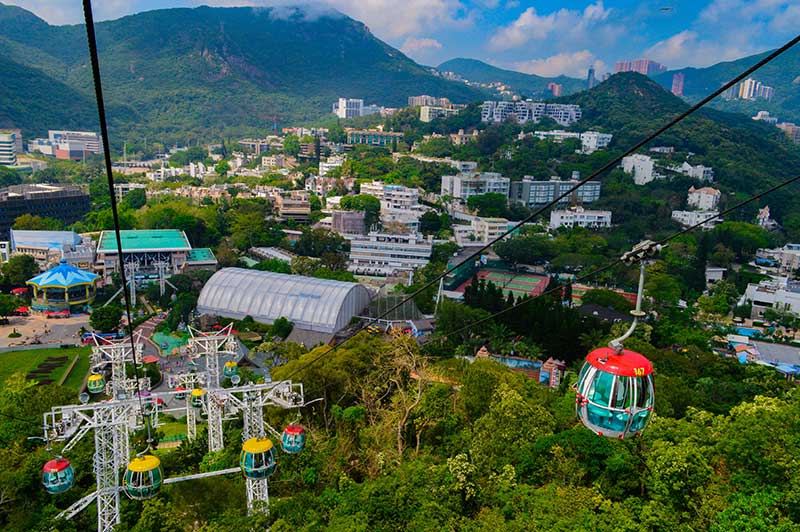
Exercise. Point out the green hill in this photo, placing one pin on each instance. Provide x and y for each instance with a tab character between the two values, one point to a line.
747	156
527	84
783	73
198	73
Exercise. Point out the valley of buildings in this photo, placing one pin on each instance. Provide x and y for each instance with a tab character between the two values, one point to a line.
393	246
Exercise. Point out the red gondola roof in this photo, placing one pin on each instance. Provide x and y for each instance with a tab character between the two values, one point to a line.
627	364
294	430
55	465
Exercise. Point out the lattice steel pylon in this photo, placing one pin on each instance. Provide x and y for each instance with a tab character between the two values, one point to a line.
113	420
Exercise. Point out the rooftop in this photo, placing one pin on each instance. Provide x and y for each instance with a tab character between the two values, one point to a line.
201	255
62	276
145	240
44	239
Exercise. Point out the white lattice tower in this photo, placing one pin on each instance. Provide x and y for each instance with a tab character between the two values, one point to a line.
131	268
162	266
188	381
110	421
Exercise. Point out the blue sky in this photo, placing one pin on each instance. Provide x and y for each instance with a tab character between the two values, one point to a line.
545	37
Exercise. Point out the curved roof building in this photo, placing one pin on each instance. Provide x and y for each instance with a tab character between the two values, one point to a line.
62	287
312	304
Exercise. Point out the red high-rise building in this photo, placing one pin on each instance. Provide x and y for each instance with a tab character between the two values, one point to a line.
677	84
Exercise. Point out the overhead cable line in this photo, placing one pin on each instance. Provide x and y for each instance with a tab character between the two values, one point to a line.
608	166
101	112
592	273
618	261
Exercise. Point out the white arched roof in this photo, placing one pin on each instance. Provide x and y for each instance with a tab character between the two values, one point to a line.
312	304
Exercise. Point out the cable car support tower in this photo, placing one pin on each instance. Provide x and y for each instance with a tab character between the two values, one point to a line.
112	421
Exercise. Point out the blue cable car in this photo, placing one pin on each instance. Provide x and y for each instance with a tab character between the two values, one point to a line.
293	439
257	459
58	476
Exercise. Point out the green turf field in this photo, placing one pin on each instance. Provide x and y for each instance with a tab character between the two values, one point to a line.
26	361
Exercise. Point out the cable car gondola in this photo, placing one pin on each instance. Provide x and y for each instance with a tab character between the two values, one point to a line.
231	368
58	476
143	477
615	392
96	383
181	395
197	397
293	438
257	459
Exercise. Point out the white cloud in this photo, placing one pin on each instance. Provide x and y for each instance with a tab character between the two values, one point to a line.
687	48
573	64
562	26
71	12
414	45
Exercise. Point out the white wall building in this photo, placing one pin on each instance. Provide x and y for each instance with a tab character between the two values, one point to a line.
699	172
692	218
778	292
642	167
382	254
465	185
529	111
123	189
348	107
579	217
334	161
429	113
8	149
591	141
704	199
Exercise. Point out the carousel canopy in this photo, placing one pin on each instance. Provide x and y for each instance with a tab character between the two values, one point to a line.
63	276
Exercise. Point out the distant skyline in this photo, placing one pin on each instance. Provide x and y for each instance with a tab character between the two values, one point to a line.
546	37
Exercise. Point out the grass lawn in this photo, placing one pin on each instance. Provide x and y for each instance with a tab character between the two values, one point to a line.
172	428
25	361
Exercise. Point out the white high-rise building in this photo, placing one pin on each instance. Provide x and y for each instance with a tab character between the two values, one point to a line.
348	107
464	186
8	149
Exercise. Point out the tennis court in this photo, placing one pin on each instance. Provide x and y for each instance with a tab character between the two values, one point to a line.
520	284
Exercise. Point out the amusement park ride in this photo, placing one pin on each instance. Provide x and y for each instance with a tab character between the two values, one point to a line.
133	407
615	392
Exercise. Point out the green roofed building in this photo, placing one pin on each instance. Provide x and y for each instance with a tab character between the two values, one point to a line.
148	249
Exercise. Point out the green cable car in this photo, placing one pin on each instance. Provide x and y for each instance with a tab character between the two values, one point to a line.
231	368
96	383
257	459
144	477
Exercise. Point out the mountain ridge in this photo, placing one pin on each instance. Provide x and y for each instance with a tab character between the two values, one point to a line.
528	84
208	71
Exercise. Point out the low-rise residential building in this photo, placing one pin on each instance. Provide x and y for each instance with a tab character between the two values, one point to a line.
764	116
579	217
642	167
334	161
348	222
293	205
429	113
779	293
591	141
692	218
530	111
531	191
259	146
348	107
271	252
704	199
383	253
699	172
460	166
465	185
123	189
480	230
373	137
424	99
785	259
461	138
791	130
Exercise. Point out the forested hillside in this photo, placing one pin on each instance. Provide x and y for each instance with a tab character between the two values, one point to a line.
527	84
188	73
